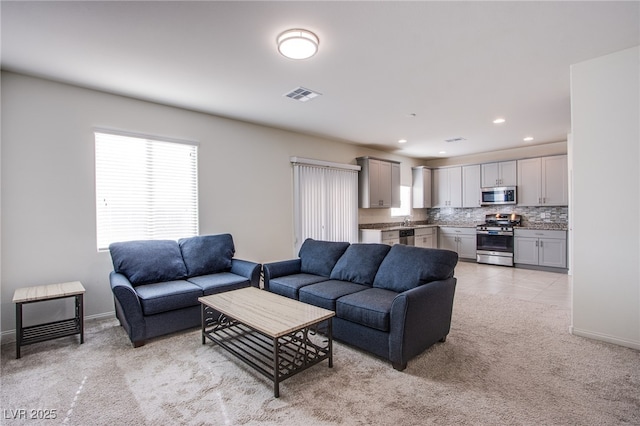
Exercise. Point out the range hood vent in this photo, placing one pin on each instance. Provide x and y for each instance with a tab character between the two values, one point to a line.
301	94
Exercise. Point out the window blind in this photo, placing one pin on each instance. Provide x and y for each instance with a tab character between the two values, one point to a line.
325	203
145	189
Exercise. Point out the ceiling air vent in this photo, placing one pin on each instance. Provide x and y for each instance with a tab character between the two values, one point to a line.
301	94
458	139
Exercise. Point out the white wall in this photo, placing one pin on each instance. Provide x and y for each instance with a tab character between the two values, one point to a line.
48	195
605	113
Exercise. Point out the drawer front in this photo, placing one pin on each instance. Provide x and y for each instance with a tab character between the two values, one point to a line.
389	235
423	231
457	231
540	233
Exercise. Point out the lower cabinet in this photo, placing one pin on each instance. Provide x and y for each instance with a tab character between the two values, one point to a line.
379	236
425	237
460	240
540	248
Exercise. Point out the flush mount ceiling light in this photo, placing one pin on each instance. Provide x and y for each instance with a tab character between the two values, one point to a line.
402	141
499	120
297	44
528	139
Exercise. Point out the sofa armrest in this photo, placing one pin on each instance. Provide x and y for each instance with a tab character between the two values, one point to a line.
129	303
419	318
248	269
280	269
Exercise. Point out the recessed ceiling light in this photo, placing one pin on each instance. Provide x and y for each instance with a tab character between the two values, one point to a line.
442	152
297	44
499	120
528	139
402	141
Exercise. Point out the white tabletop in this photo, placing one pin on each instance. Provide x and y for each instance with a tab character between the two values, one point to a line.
50	291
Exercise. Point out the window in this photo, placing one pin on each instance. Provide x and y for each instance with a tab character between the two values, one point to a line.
145	189
405	203
325	201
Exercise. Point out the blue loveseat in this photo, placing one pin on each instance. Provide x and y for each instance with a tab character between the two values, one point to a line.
156	284
394	302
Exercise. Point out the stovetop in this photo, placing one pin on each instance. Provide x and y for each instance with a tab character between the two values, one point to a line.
500	222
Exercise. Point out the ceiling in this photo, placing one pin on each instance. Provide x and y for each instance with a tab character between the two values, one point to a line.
420	71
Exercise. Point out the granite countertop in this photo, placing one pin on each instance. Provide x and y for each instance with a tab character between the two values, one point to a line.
545	226
548	226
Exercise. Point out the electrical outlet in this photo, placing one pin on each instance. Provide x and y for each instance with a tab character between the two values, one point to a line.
468	214
543	215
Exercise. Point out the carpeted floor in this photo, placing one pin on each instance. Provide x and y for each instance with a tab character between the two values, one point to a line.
505	362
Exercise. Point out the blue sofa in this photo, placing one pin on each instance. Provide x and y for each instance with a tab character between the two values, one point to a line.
156	284
394	302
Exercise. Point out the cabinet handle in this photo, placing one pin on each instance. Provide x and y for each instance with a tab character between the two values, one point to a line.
544	200
536	243
541	243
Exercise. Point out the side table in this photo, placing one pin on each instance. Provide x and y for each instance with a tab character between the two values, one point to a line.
51	330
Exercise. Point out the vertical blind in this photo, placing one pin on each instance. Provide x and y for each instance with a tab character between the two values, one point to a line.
145	189
325	203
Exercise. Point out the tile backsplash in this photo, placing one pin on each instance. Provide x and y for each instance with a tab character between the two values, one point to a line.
559	215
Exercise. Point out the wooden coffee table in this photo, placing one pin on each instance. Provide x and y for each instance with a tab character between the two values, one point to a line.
277	336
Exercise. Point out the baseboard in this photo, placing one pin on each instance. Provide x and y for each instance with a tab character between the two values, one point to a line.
605	338
9	336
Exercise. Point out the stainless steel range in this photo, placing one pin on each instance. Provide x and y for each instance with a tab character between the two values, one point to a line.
494	239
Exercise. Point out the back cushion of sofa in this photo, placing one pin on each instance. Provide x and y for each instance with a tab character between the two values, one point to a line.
407	267
319	257
144	262
207	254
360	263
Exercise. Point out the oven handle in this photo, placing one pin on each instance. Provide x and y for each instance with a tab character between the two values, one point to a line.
507	233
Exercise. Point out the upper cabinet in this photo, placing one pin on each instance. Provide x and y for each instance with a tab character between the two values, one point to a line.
471	195
447	187
499	174
379	183
543	181
421	187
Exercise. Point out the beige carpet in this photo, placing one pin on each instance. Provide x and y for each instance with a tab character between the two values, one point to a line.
505	362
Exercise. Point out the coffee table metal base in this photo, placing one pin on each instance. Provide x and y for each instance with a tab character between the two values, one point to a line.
276	358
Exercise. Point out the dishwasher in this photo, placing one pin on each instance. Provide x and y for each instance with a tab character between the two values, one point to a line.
407	236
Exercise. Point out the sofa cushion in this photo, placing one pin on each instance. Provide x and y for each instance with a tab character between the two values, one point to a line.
167	296
370	307
289	285
217	283
325	294
144	262
359	263
407	267
319	257
207	254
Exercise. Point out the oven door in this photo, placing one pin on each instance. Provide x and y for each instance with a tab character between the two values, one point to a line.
495	241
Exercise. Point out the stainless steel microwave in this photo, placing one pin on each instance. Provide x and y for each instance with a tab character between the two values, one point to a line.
498	195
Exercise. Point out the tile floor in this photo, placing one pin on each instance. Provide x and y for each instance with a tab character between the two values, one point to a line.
537	286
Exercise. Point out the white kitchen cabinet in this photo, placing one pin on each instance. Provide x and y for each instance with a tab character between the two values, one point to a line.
421	187
471	194
540	248
499	174
447	187
425	237
379	236
379	183
460	240
543	181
